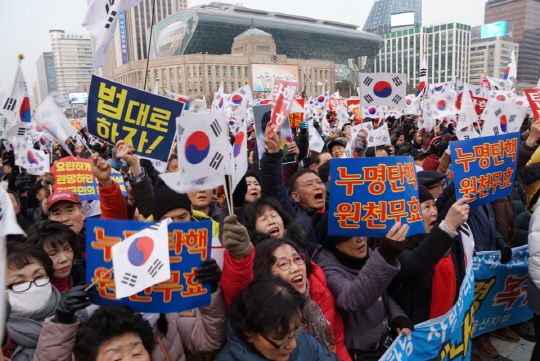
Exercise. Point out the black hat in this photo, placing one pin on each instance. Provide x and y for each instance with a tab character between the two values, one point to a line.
338	141
424	193
429	177
418	154
321	231
165	200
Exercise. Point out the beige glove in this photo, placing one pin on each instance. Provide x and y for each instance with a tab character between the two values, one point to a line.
236	238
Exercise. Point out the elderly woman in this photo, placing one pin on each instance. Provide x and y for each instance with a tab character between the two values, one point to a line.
31	296
358	278
266	323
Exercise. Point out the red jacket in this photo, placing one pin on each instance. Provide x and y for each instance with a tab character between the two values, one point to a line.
237	274
112	202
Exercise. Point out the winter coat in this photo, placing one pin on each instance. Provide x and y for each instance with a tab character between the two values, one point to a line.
143	193
361	296
238	273
413	285
534	262
112	202
307	349
272	185
199	335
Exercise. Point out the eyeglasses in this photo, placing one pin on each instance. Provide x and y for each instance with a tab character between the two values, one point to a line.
284	343
285	263
25	286
439	186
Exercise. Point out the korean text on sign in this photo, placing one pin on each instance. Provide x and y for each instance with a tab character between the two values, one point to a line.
144	120
75	174
370	195
189	245
484	168
283	94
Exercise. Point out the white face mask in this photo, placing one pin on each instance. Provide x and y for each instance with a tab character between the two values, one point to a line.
31	300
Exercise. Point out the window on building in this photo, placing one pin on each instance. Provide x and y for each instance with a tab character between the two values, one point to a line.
195	86
232	71
263	49
224	71
200	71
189	71
180	90
209	86
246	71
189	87
209	70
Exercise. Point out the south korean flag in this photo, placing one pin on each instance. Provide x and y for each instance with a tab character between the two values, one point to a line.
36	162
203	147
502	118
142	260
383	89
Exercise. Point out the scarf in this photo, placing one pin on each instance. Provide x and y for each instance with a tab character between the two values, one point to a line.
24	329
62	285
317	325
348	261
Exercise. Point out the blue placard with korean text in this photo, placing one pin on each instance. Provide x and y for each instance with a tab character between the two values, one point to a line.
189	244
370	195
501	290
485	168
142	119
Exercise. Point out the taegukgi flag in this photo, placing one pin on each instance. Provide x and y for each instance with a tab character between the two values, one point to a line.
383	89
141	260
16	105
100	21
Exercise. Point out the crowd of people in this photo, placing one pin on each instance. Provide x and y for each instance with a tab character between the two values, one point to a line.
287	289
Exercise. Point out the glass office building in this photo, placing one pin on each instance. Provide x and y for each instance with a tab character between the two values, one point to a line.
211	30
379	18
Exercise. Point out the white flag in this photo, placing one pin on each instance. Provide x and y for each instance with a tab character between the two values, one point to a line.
439	88
16	105
412	105
379	136
467	113
316	143
203	146
423	78
502	95
372	112
499	84
239	158
218	104
179	184
142	260
240	96
191	105
383	89
50	117
156	88
442	104
510	73
502	118
100	20
36	162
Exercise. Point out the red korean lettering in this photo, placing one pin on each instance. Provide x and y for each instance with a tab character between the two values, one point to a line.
348	215
375	212
507	178
169	286
196	241
377	178
349	180
469	188
395	176
464	158
414	209
105	285
515	288
497	153
104	243
484	185
193	288
397	210
510	148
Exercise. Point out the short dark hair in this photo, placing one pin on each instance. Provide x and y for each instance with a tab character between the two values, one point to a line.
264	258
254	175
107	323
267	304
293	187
324	171
53	233
316	158
256	208
20	255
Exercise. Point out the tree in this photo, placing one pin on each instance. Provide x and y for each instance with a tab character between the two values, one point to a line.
346	88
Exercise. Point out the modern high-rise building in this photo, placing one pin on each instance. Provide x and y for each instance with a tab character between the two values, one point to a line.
446	47
72	60
380	20
46	74
525	15
36	96
491	48
133	30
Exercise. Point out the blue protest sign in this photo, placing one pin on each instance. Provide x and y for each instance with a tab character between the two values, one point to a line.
189	245
484	168
447	337
370	195
500	297
142	119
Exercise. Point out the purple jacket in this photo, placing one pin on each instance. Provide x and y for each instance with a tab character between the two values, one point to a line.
361	297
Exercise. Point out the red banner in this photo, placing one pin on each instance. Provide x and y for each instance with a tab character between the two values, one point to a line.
479	103
534	101
334	102
283	94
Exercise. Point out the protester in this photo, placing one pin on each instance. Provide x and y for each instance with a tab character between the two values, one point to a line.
266	323
253	187
61	244
31	296
358	279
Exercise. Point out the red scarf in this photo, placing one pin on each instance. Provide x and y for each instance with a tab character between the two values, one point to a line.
321	211
444	285
61	285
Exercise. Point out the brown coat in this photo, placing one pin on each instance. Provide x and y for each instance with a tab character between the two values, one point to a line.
200	335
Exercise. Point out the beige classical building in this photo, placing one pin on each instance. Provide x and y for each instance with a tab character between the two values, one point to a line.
253	60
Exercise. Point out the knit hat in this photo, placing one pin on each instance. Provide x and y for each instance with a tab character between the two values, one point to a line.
424	193
165	200
321	231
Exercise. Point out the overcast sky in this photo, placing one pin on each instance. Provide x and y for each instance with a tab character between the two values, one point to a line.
25	24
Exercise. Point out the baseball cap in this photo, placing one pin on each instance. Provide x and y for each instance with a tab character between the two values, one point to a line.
62	195
417	154
338	141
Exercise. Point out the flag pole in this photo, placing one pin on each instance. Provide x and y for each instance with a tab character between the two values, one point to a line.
228	182
149	44
99	279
